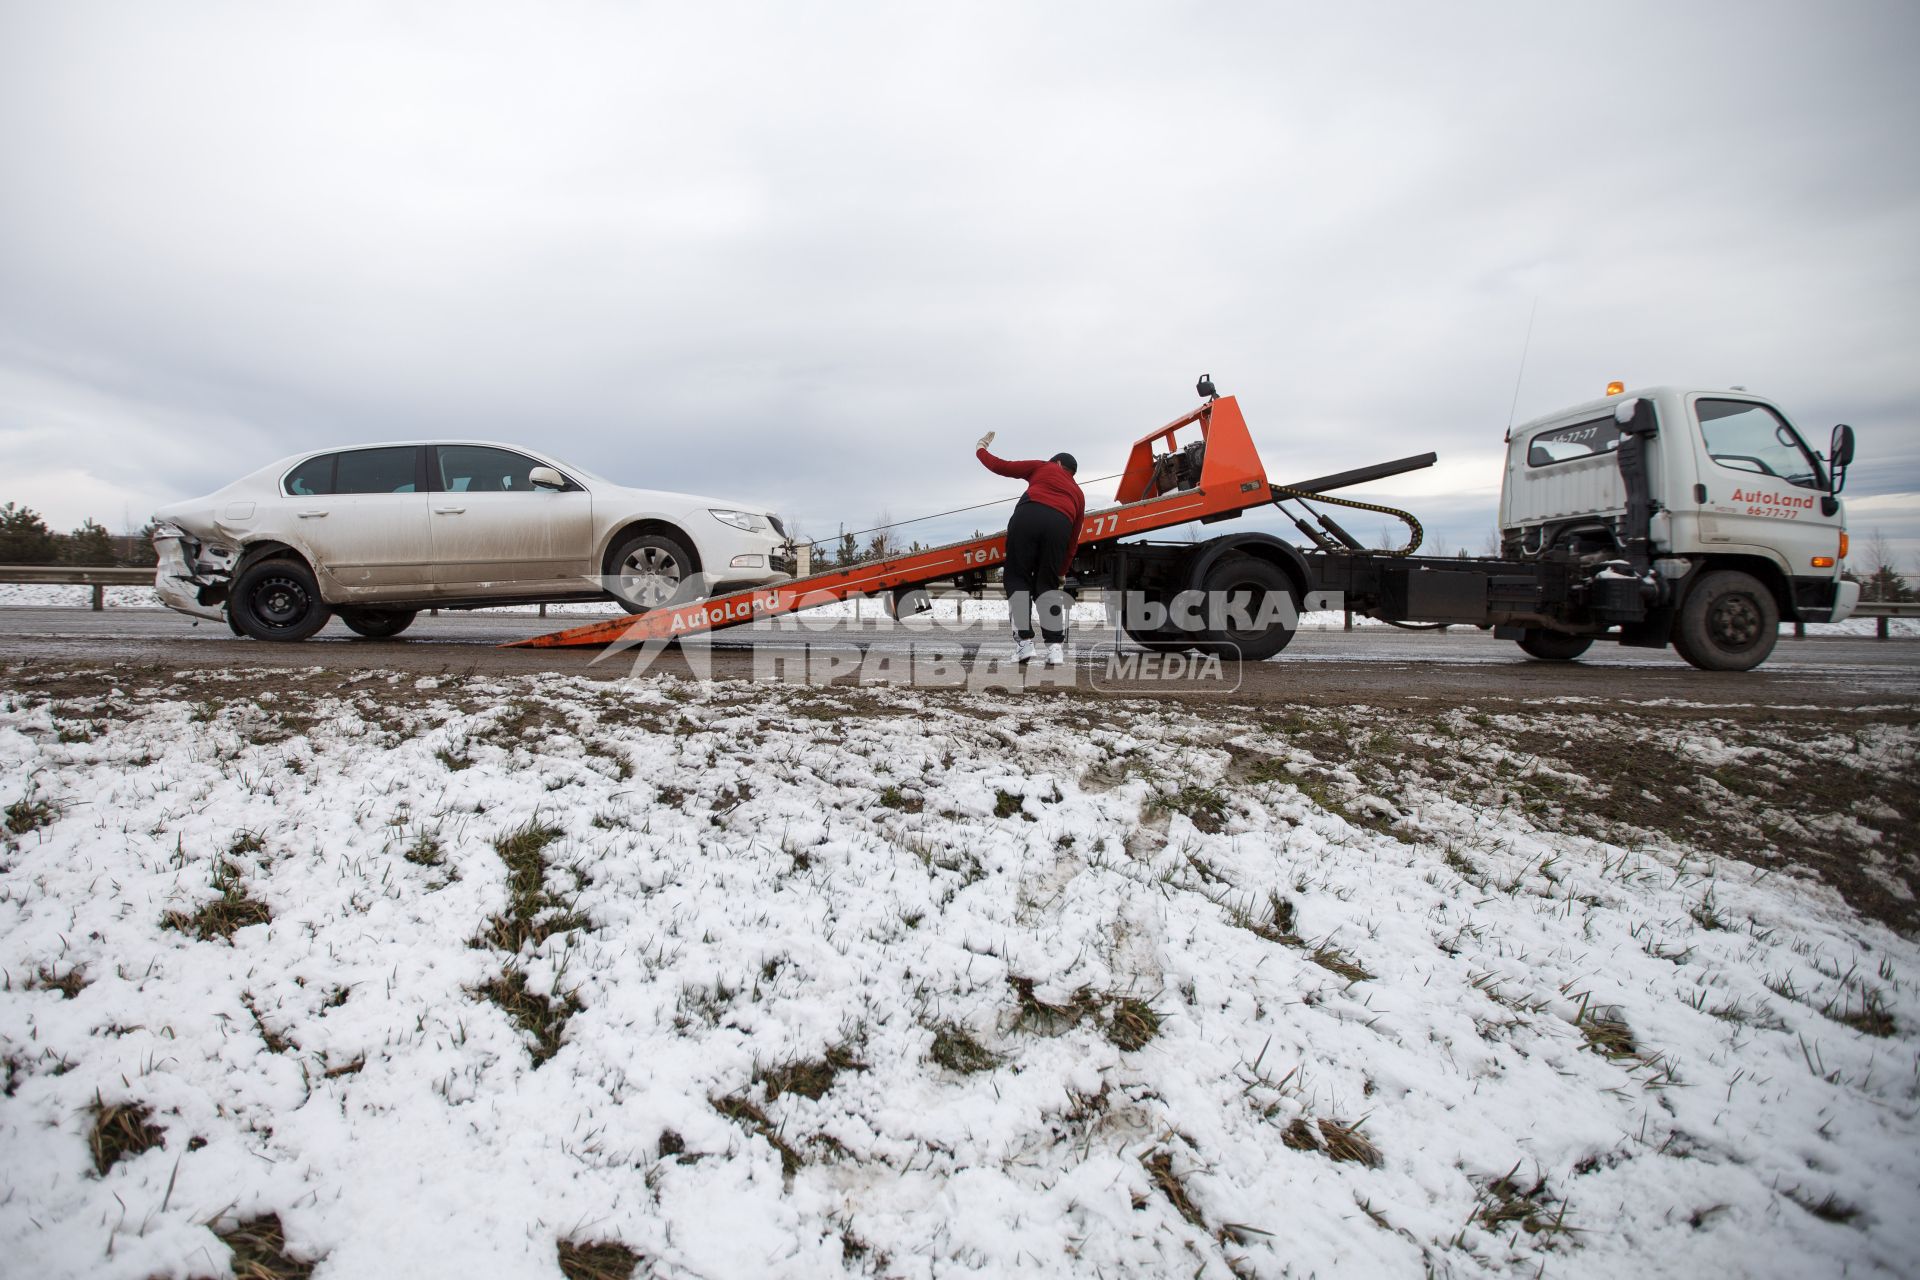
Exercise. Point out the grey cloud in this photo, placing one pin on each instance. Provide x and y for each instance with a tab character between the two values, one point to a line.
810	253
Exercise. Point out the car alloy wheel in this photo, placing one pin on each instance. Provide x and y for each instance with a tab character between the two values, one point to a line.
651	576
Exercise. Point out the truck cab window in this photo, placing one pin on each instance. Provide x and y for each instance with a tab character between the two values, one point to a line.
1744	436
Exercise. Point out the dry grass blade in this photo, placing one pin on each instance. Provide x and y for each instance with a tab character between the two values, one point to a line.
1159	1167
597	1260
744	1113
260	1251
1132	1024
811	1078
232	910
955	1049
119	1130
1345	1142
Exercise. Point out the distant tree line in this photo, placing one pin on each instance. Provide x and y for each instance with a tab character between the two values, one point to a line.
26	539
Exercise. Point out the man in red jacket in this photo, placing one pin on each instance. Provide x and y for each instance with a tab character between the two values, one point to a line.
1041	539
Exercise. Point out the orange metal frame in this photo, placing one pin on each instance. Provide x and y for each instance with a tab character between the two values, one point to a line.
1231	479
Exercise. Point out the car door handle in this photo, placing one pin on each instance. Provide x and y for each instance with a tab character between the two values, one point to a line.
448	511
311	515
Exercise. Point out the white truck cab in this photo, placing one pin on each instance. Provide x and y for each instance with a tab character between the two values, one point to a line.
1699	517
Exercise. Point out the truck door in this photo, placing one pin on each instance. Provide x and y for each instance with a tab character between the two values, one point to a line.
1762	484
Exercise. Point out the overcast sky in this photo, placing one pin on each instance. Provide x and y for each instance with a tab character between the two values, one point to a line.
807	253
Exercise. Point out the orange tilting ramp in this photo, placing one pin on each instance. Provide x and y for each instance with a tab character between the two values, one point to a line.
1231	479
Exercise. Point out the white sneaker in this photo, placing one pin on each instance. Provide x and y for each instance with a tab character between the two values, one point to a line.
1023	652
1056	654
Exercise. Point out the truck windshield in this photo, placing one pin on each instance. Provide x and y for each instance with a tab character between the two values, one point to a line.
1744	436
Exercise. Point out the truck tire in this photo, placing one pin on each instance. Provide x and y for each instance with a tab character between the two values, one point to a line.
378	624
276	599
1728	622
1553	646
1261	582
649	570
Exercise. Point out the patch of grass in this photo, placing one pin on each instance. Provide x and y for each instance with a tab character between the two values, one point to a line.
597	1260
1829	1208
1049	1019
1131	1024
259	1248
893	797
68	984
955	1048
234	908
744	1113
811	1078
29	813
1159	1167
1004	805
119	1130
1346	1142
424	850
1336	961
1507	1202
1607	1034
1867	1014
543	1018
1276	924
533	914
1205	807
1335	1139
246	842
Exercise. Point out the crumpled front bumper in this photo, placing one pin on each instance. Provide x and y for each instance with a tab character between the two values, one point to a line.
181	588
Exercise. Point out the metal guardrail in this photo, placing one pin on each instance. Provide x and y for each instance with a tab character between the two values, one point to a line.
99	577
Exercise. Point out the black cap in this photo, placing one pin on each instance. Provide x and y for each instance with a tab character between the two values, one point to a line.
1066	460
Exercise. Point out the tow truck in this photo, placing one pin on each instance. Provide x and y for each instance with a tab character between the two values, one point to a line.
1696	518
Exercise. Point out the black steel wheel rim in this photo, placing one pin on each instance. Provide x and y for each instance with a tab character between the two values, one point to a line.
280	602
1734	622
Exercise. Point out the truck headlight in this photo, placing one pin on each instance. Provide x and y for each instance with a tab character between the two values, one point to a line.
743	520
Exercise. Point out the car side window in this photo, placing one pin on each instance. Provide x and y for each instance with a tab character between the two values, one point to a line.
313	477
477	468
389	470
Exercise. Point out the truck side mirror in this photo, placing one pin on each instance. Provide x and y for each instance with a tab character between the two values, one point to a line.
1840	455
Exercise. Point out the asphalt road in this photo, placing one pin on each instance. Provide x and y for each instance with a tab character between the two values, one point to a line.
1374	665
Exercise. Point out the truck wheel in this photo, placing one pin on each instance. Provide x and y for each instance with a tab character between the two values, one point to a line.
276	599
378	624
1553	646
649	570
1729	622
1266	594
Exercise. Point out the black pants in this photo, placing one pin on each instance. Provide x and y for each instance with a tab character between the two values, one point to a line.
1037	540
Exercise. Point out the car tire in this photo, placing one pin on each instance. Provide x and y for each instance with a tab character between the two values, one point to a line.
276	599
1728	622
378	624
649	570
1553	646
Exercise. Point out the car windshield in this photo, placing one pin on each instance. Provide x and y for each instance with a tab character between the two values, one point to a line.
1745	436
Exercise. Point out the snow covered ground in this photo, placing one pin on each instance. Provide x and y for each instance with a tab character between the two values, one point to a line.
453	977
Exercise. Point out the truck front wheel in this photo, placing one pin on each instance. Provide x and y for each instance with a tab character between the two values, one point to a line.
1729	622
1553	646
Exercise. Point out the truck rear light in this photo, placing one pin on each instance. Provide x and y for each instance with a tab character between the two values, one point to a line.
1843	544
1823	562
1616	388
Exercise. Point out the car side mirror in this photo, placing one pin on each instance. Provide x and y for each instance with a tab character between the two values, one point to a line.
546	478
1840	455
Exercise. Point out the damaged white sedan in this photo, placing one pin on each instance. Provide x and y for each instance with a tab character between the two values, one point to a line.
377	533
